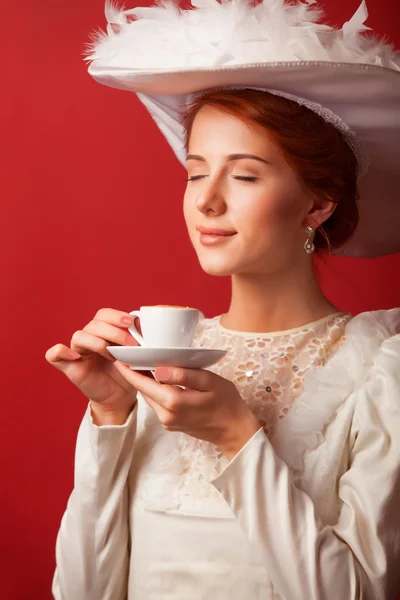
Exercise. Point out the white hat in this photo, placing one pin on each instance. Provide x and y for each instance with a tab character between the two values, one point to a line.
166	55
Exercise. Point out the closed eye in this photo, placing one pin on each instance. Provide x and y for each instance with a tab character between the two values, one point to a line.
243	178
239	177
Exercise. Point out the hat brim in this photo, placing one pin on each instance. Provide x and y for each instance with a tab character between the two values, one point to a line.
366	97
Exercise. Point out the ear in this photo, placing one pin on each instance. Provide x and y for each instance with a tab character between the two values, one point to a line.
319	211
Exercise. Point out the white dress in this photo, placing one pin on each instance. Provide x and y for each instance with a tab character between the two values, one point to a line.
309	509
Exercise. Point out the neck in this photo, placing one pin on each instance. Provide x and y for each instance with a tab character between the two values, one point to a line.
276	302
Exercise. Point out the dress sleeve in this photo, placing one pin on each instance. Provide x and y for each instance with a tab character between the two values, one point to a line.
92	548
358	558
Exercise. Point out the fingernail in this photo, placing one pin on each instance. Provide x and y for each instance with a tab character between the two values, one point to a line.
127	320
162	373
73	354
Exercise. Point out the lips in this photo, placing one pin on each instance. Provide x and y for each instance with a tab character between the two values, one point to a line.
215	231
214	236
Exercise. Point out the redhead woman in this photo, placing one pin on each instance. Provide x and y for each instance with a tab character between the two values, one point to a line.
275	473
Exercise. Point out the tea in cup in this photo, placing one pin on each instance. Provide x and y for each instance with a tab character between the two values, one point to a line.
165	326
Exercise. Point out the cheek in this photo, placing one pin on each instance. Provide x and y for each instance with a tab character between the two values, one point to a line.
271	211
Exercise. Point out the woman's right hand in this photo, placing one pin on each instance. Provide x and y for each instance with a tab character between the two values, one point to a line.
90	366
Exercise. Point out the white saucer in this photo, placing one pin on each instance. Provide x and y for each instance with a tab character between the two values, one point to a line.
147	359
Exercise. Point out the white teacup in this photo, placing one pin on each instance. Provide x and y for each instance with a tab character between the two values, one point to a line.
165	326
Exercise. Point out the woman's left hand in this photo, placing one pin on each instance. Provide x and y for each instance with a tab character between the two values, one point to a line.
210	407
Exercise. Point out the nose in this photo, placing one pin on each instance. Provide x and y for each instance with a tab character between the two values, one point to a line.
211	197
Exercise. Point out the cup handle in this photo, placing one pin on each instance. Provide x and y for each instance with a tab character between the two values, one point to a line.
133	331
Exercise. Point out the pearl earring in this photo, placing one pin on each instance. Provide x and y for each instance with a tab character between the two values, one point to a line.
309	246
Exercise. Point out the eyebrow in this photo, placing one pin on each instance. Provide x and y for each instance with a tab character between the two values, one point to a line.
229	157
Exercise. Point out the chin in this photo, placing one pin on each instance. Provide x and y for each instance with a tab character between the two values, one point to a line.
221	261
217	266
215	272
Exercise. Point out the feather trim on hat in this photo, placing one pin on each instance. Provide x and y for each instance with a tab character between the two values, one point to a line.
233	32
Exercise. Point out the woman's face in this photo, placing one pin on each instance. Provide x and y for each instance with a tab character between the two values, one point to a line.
259	199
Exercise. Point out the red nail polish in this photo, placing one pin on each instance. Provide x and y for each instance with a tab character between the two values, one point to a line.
127	320
162	373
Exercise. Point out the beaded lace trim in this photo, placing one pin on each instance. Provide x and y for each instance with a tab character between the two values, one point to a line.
268	370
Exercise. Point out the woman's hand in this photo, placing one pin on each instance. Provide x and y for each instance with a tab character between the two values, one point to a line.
210	408
90	367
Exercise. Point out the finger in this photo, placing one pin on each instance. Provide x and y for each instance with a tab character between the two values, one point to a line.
164	415
83	342
114	317
118	318
165	395
59	355
110	333
196	379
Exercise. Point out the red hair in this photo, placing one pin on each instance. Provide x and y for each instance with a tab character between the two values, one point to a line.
313	148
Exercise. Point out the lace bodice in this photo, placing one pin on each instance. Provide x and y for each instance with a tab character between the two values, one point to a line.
268	370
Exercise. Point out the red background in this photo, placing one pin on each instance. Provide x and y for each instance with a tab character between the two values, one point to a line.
92	218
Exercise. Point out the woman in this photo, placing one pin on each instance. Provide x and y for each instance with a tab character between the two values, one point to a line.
274	474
